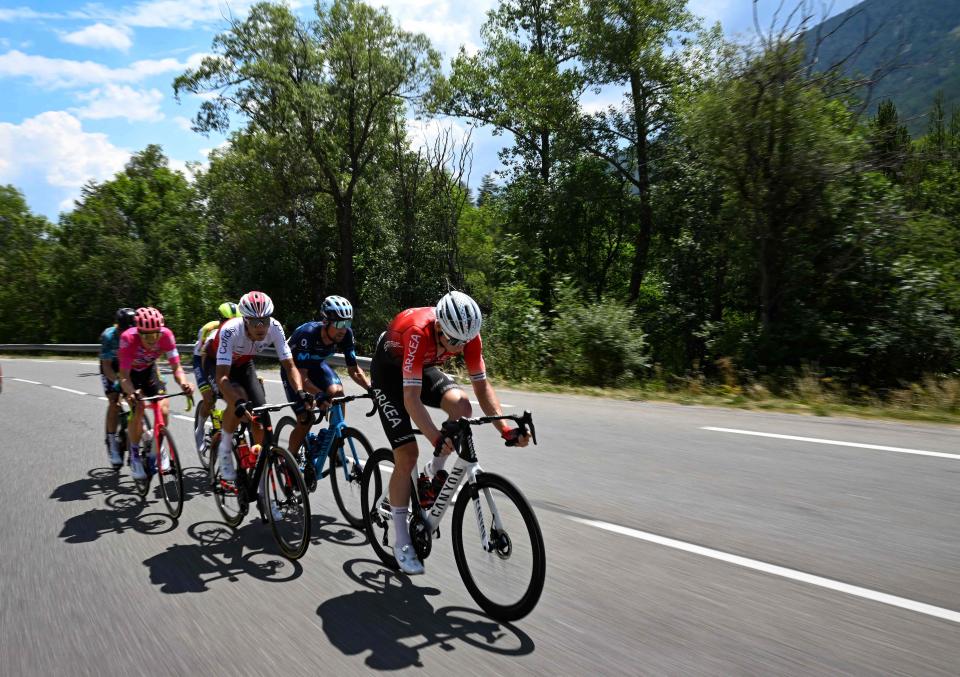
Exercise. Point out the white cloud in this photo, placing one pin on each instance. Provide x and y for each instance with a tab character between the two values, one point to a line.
205	152
186	124
100	36
66	73
25	13
54	145
448	24
120	101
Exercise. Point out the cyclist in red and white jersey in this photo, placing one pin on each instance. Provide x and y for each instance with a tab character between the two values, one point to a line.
140	346
405	377
233	347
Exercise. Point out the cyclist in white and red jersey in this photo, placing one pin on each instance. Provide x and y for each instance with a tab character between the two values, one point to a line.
233	347
405	378
140	346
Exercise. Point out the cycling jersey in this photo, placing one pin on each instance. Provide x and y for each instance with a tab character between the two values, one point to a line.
231	345
410	342
205	332
310	351
135	356
109	343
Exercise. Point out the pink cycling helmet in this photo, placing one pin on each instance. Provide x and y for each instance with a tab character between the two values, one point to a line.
148	319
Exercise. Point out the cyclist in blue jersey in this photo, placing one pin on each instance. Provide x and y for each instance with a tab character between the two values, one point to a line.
110	378
311	344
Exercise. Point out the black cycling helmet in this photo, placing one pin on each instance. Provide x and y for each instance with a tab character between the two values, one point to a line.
124	318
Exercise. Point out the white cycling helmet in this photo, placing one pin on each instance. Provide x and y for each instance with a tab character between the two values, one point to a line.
459	316
337	308
255	304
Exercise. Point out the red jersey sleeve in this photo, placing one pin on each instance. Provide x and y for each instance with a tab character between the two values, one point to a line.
414	343
473	356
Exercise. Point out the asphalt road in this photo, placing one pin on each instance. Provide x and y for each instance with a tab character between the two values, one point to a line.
672	549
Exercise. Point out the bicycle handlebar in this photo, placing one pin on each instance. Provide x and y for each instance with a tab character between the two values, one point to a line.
450	429
272	407
351	398
157	398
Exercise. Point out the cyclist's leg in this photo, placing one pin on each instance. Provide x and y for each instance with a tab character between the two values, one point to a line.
253	386
387	386
112	418
439	390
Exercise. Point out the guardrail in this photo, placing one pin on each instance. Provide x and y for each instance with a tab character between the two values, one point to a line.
185	349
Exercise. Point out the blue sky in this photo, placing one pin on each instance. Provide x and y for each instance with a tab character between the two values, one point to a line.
85	85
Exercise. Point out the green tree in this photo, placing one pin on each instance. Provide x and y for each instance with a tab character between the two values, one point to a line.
27	268
330	89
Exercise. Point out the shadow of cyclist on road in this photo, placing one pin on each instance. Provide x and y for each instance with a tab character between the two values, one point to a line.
394	621
219	553
124	512
99	481
326	529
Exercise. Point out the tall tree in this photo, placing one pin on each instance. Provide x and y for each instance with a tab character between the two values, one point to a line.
631	43
330	89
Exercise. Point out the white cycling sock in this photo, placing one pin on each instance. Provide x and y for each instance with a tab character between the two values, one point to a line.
226	443
400	523
112	442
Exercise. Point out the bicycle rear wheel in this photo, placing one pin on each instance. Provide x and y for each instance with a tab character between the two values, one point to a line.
346	477
507	579
287	503
229	496
171	479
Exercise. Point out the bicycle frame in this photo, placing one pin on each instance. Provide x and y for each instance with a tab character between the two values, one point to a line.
158	420
467	466
251	481
320	457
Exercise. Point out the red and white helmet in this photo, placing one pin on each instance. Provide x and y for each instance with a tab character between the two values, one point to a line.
148	319
255	304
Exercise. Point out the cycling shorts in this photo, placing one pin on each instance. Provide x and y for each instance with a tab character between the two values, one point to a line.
148	381
387	382
241	375
110	387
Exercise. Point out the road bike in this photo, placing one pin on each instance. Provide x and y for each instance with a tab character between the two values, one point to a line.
271	478
350	448
503	565
164	461
210	428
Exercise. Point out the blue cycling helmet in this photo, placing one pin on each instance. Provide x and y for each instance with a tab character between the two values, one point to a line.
336	308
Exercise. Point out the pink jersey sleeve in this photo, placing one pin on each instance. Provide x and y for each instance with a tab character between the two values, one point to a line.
168	344
128	348
473	356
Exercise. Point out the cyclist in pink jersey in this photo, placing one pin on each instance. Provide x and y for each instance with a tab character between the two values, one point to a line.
140	346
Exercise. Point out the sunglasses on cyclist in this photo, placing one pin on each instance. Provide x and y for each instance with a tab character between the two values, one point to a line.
257	321
452	342
150	335
340	324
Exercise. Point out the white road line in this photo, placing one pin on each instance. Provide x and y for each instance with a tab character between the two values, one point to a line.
270	380
68	390
502	404
183	418
792	574
24	380
817	440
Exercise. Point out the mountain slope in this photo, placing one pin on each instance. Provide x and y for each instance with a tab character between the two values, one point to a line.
922	37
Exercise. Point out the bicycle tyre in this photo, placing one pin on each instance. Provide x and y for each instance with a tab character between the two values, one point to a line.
306	467
171	483
203	453
372	490
283	472
531	595
347	492
230	498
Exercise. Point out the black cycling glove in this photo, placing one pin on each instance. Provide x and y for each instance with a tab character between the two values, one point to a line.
241	408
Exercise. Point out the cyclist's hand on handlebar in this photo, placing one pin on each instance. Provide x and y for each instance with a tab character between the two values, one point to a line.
244	410
306	398
513	438
187	388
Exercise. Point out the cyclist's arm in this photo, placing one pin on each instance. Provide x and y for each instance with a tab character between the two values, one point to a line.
418	413
293	374
227	390
308	385
359	376
126	385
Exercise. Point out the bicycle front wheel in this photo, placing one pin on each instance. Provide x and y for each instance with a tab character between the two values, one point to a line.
375	500
288	503
203	451
231	503
353	449
168	473
505	578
